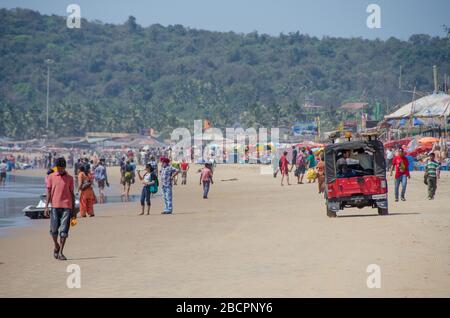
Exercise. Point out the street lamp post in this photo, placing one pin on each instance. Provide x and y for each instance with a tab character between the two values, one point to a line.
48	62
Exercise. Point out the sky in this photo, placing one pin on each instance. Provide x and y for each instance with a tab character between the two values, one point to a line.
338	18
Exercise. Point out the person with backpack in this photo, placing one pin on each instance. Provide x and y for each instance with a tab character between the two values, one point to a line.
127	179
300	167
149	182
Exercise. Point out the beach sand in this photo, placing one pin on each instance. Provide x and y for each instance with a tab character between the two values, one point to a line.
251	238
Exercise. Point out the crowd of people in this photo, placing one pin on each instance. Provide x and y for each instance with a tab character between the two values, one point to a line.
160	174
309	164
61	188
304	163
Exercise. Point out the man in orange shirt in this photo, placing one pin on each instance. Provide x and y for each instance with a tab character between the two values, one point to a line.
60	195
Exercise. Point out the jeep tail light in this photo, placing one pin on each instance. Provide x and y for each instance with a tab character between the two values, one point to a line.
383	183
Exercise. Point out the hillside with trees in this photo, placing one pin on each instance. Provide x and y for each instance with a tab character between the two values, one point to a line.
122	78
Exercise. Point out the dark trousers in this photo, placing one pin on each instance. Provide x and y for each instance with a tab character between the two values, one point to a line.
432	186
206	185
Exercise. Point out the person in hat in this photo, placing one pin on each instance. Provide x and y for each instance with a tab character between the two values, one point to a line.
60	187
167	173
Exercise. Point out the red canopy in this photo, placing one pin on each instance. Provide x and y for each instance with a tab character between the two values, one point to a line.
397	143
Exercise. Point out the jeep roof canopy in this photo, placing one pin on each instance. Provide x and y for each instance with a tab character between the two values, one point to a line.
374	146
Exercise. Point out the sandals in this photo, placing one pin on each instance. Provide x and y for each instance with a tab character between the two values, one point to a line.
61	257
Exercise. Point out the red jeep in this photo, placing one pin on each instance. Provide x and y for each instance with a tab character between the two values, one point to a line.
355	176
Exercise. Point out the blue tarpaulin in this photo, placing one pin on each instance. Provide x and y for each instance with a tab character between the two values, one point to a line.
418	122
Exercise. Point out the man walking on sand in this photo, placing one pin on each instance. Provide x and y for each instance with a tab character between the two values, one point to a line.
60	195
432	170
3	169
184	167
400	164
167	173
300	167
294	158
101	177
206	178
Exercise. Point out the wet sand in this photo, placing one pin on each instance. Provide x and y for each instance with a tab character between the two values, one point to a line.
251	238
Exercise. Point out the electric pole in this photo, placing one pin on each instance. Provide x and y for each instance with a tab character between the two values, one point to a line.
48	62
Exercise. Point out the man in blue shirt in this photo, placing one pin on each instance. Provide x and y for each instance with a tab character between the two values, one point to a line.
101	178
167	173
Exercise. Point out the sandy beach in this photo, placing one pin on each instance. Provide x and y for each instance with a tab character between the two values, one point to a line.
251	238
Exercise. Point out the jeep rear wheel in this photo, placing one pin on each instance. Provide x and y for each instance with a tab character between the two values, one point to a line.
330	213
383	211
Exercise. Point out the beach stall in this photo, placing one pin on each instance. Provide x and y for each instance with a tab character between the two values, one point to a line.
429	111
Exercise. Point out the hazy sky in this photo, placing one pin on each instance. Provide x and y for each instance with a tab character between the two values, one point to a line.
343	18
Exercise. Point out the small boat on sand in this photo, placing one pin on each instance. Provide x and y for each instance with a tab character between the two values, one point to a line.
37	211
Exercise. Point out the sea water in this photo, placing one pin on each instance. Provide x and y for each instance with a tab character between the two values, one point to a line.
19	192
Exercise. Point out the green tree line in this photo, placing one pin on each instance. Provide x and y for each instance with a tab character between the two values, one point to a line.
116	78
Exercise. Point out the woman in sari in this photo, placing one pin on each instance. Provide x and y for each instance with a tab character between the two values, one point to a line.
86	191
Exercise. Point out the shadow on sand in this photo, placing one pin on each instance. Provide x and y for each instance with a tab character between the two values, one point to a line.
364	215
88	258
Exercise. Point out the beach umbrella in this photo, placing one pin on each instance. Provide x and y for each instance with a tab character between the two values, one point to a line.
428	140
